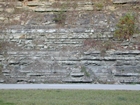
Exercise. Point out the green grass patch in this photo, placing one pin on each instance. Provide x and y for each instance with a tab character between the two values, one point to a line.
69	97
5	103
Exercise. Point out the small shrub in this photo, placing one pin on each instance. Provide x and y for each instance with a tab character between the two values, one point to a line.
63	13
83	69
108	45
99	6
60	17
1	69
125	27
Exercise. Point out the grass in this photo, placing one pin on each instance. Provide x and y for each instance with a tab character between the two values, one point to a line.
69	97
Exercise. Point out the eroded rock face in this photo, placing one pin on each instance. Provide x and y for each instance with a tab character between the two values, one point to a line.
63	57
38	50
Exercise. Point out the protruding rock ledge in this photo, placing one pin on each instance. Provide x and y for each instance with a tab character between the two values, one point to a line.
78	80
125	1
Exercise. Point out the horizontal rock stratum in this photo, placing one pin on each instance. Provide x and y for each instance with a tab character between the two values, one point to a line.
126	1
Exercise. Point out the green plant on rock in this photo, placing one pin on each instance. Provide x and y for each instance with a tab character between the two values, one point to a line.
1	66
83	69
99	6
60	16
106	45
125	27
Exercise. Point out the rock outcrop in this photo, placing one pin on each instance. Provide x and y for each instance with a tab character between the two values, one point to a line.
39	46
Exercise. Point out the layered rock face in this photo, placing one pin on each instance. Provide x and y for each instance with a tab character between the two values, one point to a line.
67	42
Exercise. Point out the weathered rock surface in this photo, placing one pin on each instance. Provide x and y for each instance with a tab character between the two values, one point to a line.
38	50
126	1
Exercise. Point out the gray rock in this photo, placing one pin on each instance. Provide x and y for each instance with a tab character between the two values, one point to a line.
77	80
6	71
10	10
13	61
126	1
2	18
79	30
34	3
2	81
74	74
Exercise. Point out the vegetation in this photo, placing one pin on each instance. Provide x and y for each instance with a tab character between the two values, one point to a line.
105	45
100	45
5	103
83	69
125	27
99	6
69	97
1	69
60	16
